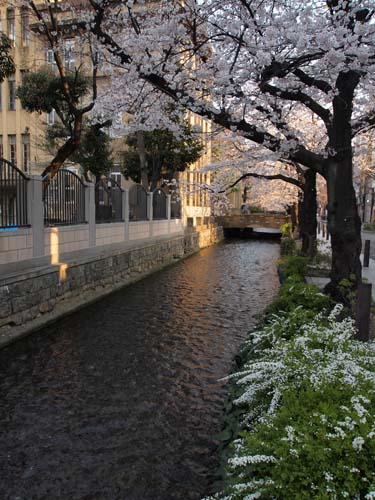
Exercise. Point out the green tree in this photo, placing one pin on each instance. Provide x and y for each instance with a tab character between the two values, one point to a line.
42	91
94	152
163	154
7	66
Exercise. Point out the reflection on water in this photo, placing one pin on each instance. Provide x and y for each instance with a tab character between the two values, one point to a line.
122	400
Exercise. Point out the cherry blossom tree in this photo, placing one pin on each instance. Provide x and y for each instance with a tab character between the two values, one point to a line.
247	64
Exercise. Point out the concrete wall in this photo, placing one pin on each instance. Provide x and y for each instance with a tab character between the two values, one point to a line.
16	245
65	239
139	230
109	233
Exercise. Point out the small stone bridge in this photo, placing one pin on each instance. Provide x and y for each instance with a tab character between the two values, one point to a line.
245	224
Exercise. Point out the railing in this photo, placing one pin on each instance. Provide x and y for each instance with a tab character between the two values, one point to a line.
176	207
108	201
13	196
64	200
137	203
159	204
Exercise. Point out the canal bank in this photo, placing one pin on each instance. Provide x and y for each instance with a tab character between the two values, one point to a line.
36	293
124	399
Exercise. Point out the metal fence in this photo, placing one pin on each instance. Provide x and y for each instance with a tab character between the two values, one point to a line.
13	196
176	207
64	200
159	204
108	201
137	203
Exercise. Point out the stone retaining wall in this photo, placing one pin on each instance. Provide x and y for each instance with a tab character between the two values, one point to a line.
38	297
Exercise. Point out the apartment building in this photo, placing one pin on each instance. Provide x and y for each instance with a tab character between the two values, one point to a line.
20	132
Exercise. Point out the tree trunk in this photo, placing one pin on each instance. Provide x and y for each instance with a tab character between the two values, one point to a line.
142	158
344	224
63	153
155	174
307	214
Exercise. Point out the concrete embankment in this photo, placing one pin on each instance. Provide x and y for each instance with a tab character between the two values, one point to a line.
37	295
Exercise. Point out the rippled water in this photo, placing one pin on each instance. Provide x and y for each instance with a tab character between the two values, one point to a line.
122	400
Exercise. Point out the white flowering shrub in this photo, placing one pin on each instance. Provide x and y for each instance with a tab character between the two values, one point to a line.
310	414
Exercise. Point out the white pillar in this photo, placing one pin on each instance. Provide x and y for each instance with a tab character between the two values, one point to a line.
35	210
150	211
125	213
168	206
90	213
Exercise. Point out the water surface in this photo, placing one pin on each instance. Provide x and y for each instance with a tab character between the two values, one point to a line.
122	400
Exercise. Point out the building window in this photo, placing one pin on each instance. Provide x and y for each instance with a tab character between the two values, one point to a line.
116	176
1	147
50	58
69	56
26	152
51	118
12	140
11	24
25	27
12	92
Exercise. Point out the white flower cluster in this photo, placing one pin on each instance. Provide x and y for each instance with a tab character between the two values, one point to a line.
322	353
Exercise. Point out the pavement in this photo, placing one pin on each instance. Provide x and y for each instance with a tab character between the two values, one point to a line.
367	272
40	264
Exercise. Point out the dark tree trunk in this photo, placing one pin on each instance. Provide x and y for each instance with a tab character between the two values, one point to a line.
308	223
344	223
142	159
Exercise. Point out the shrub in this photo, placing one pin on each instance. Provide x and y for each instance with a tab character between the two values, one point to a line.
320	445
369	226
256	210
295	293
293	265
322	259
288	246
286	230
309	394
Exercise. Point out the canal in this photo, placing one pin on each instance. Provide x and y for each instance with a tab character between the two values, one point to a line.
123	399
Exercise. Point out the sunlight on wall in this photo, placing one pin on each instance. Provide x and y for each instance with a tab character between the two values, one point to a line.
55	254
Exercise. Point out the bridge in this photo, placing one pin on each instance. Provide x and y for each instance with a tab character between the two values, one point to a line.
248	224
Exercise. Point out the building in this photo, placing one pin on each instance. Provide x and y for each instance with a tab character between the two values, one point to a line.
22	134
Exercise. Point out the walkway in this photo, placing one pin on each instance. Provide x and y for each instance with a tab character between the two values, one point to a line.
39	264
367	272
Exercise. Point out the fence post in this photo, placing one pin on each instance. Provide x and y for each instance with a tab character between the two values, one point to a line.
366	255
125	213
363	311
150	211
35	210
327	232
168	203
90	213
168	210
